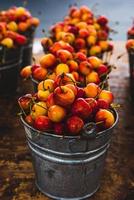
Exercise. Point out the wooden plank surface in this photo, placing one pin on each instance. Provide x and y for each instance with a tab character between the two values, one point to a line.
16	171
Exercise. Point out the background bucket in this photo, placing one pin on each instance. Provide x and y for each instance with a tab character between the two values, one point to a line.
27	50
9	55
131	70
9	78
68	167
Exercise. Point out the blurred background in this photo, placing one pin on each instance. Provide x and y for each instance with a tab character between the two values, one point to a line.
119	12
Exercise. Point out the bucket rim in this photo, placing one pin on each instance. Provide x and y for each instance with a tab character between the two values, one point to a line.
68	136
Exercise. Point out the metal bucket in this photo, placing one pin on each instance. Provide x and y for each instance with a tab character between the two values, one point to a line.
27	54
9	78
28	48
9	55
131	70
68	167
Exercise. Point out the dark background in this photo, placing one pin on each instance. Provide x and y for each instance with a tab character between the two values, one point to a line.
51	11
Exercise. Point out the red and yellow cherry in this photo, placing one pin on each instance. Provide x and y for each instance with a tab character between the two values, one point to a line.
26	71
79	56
79	43
20	39
73	65
104	118
58	128
91	40
93	103
74	125
94	61
56	113
102	70
46	43
102	103
85	68
73	88
29	120
38	109
106	95
8	42
47	84
130	44
39	73
64	96
95	50
43	95
61	68
102	20
80	92
93	77
92	90
48	60
12	26
42	123
24	101
64	55
104	45
81	108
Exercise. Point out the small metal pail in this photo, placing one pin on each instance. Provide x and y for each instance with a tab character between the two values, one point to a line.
131	71
68	167
35	84
9	74
28	48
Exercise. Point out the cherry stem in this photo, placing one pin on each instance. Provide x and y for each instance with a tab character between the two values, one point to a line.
97	123
38	104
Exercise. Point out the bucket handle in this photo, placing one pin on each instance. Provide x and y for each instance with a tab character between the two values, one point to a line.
88	132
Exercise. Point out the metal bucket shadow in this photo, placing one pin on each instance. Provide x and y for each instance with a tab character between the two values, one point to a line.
9	78
68	167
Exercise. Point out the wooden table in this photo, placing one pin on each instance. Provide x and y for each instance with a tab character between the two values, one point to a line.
16	171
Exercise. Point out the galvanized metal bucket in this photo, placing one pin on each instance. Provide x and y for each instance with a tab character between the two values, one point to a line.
27	54
28	48
131	70
9	55
9	78
68	167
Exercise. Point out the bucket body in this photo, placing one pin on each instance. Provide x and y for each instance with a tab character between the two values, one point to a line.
131	70
68	167
10	62
9	78
27	49
27	54
9	55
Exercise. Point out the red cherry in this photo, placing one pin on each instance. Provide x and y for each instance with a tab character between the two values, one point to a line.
102	103
74	125
58	128
81	108
42	123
